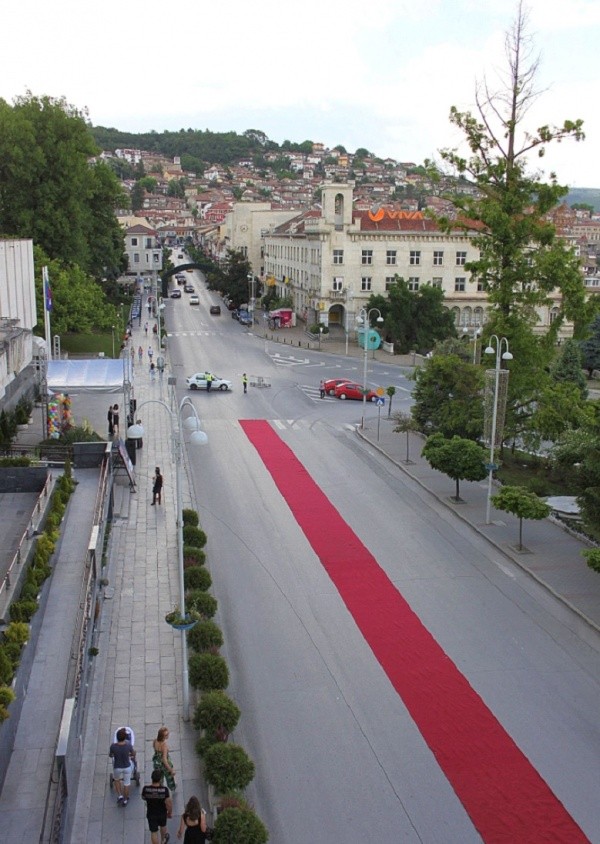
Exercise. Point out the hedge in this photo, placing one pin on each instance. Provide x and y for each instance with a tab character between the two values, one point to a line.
205	636
228	767
235	825
202	602
194	536
197	577
208	672
193	556
190	517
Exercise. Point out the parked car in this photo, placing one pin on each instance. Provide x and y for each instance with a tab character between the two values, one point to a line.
235	314
189	288
180	256
176	294
351	390
332	383
215	310
194	300
198	382
231	305
244	318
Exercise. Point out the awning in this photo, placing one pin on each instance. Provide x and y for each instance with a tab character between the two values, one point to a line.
95	375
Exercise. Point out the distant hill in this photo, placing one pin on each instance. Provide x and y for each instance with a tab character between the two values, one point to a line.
589	196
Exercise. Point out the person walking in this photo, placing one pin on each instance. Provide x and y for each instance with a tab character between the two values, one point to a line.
209	380
193	823
157	488
109	416
245	382
146	328
132	357
122	753
140	354
161	759
159	807
115	419
152	371
150	353
322	388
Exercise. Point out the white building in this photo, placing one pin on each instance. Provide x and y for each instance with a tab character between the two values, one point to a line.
331	261
18	317
144	253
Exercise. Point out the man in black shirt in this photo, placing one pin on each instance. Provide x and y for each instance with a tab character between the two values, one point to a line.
159	807
122	753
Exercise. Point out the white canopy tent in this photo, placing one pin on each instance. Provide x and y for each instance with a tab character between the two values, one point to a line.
94	375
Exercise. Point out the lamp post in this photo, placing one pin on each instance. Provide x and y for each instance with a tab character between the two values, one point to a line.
320	335
198	437
475	338
495	346
251	282
364	319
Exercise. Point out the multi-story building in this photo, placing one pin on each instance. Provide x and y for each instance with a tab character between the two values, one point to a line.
331	261
18	317
144	253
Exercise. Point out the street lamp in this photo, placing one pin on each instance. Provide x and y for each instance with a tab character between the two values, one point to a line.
475	338
364	319
251	282
198	437
320	335
499	343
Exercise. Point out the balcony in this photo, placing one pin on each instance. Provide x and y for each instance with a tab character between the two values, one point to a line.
337	294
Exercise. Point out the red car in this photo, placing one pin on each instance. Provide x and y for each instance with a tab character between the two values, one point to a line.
351	390
332	383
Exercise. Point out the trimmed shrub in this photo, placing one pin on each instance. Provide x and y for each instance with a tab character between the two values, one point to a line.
23	610
16	633
13	652
193	556
6	696
197	577
218	714
229	768
234	800
6	666
202	602
202	745
205	636
190	517
235	825
30	591
194	536
208	672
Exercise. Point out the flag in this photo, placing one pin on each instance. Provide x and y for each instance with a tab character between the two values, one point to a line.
47	290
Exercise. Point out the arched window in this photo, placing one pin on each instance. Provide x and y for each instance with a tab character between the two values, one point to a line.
339	209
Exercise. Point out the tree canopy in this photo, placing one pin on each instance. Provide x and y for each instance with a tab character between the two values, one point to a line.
460	459
448	397
53	190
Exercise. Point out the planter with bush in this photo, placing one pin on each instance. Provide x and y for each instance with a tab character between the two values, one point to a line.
204	604
208	672
206	636
197	578
228	767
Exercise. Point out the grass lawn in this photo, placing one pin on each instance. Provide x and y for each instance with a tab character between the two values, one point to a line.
90	344
520	469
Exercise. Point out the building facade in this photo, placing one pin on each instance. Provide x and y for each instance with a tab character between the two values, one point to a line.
331	261
143	250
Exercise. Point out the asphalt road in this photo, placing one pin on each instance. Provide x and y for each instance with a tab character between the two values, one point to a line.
338	756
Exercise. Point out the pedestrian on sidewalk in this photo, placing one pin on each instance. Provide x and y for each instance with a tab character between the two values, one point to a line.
193	823
322	388
122	754
132	357
161	759
156	493
109	416
140	354
159	807
150	353
245	382
152	371
146	328
115	419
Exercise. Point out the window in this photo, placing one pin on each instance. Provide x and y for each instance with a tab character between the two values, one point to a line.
156	257
459	284
337	284
367	256
148	243
390	257
136	257
415	257
480	286
390	280
365	283
438	259
413	283
134	241
436	281
338	256
461	258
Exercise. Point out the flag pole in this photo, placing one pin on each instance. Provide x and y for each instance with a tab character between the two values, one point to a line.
47	296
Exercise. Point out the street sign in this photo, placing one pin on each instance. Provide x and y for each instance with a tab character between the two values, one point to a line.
380	402
491	467
380	391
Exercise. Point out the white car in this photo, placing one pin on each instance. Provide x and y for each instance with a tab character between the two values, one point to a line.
194	300
198	382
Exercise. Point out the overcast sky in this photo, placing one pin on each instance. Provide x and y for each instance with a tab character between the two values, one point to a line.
381	75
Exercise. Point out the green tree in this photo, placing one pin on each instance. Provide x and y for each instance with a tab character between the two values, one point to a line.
590	347
148	183
50	188
522	503
413	320
568	367
137	197
405	424
448	397
521	260
460	459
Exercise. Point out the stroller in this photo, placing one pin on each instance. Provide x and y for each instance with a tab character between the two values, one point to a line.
135	774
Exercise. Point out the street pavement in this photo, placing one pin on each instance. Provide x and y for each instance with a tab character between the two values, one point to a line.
137	677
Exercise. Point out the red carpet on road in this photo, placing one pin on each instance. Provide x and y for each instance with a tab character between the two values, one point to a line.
505	797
